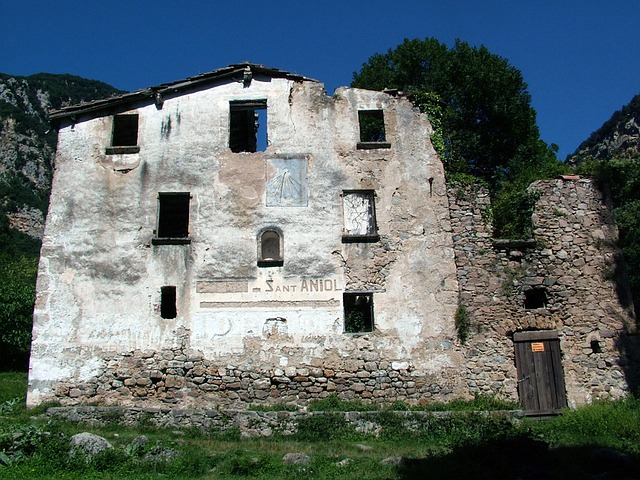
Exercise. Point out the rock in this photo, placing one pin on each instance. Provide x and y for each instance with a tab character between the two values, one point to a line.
391	461
344	462
137	444
28	220
161	454
296	459
89	444
74	393
609	458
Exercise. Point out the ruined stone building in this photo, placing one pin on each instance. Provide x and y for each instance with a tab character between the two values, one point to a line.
240	237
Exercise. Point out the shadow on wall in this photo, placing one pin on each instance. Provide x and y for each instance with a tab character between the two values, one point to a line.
629	348
620	276
628	342
618	272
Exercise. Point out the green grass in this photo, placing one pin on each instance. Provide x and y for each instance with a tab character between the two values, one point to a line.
608	424
12	385
466	444
481	402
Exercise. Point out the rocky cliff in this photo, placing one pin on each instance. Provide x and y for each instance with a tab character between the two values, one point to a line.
611	155
617	137
27	145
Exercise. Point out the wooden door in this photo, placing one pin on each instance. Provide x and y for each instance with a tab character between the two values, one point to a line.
540	376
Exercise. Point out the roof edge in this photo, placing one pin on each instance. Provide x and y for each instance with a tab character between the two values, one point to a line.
158	91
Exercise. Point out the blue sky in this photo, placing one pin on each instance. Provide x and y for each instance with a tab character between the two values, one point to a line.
580	59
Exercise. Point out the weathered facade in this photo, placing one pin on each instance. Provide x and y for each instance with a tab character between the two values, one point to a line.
551	319
241	237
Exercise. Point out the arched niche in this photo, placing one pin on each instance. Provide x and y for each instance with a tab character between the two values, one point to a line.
270	248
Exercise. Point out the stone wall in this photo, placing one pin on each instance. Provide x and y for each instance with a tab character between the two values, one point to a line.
574	260
181	376
579	262
252	423
482	279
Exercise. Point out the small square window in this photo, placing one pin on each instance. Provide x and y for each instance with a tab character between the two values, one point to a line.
173	218
124	137
248	126
359	210
535	298
125	130
168	307
358	312
372	132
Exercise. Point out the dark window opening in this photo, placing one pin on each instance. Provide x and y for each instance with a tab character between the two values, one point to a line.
359	210
535	298
248	126
168	302
372	132
173	218
270	254
595	346
358	312
125	130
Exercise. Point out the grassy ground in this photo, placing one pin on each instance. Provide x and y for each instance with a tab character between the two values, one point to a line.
599	441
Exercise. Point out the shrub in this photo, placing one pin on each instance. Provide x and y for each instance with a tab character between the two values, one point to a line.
463	323
333	403
323	427
607	423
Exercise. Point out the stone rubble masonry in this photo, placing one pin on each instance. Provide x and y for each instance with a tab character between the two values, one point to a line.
246	422
27	220
183	377
574	258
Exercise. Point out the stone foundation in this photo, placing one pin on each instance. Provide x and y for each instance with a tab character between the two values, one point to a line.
182	376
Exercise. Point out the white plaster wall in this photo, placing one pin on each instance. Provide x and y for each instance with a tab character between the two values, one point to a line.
100	277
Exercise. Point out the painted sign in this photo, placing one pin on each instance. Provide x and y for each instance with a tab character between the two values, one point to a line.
537	347
304	285
270	291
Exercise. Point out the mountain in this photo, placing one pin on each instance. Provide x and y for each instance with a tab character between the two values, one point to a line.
27	149
611	154
617	137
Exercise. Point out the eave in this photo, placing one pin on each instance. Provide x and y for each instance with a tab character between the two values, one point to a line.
157	93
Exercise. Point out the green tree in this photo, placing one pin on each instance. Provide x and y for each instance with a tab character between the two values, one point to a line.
17	295
487	118
483	121
621	179
513	203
